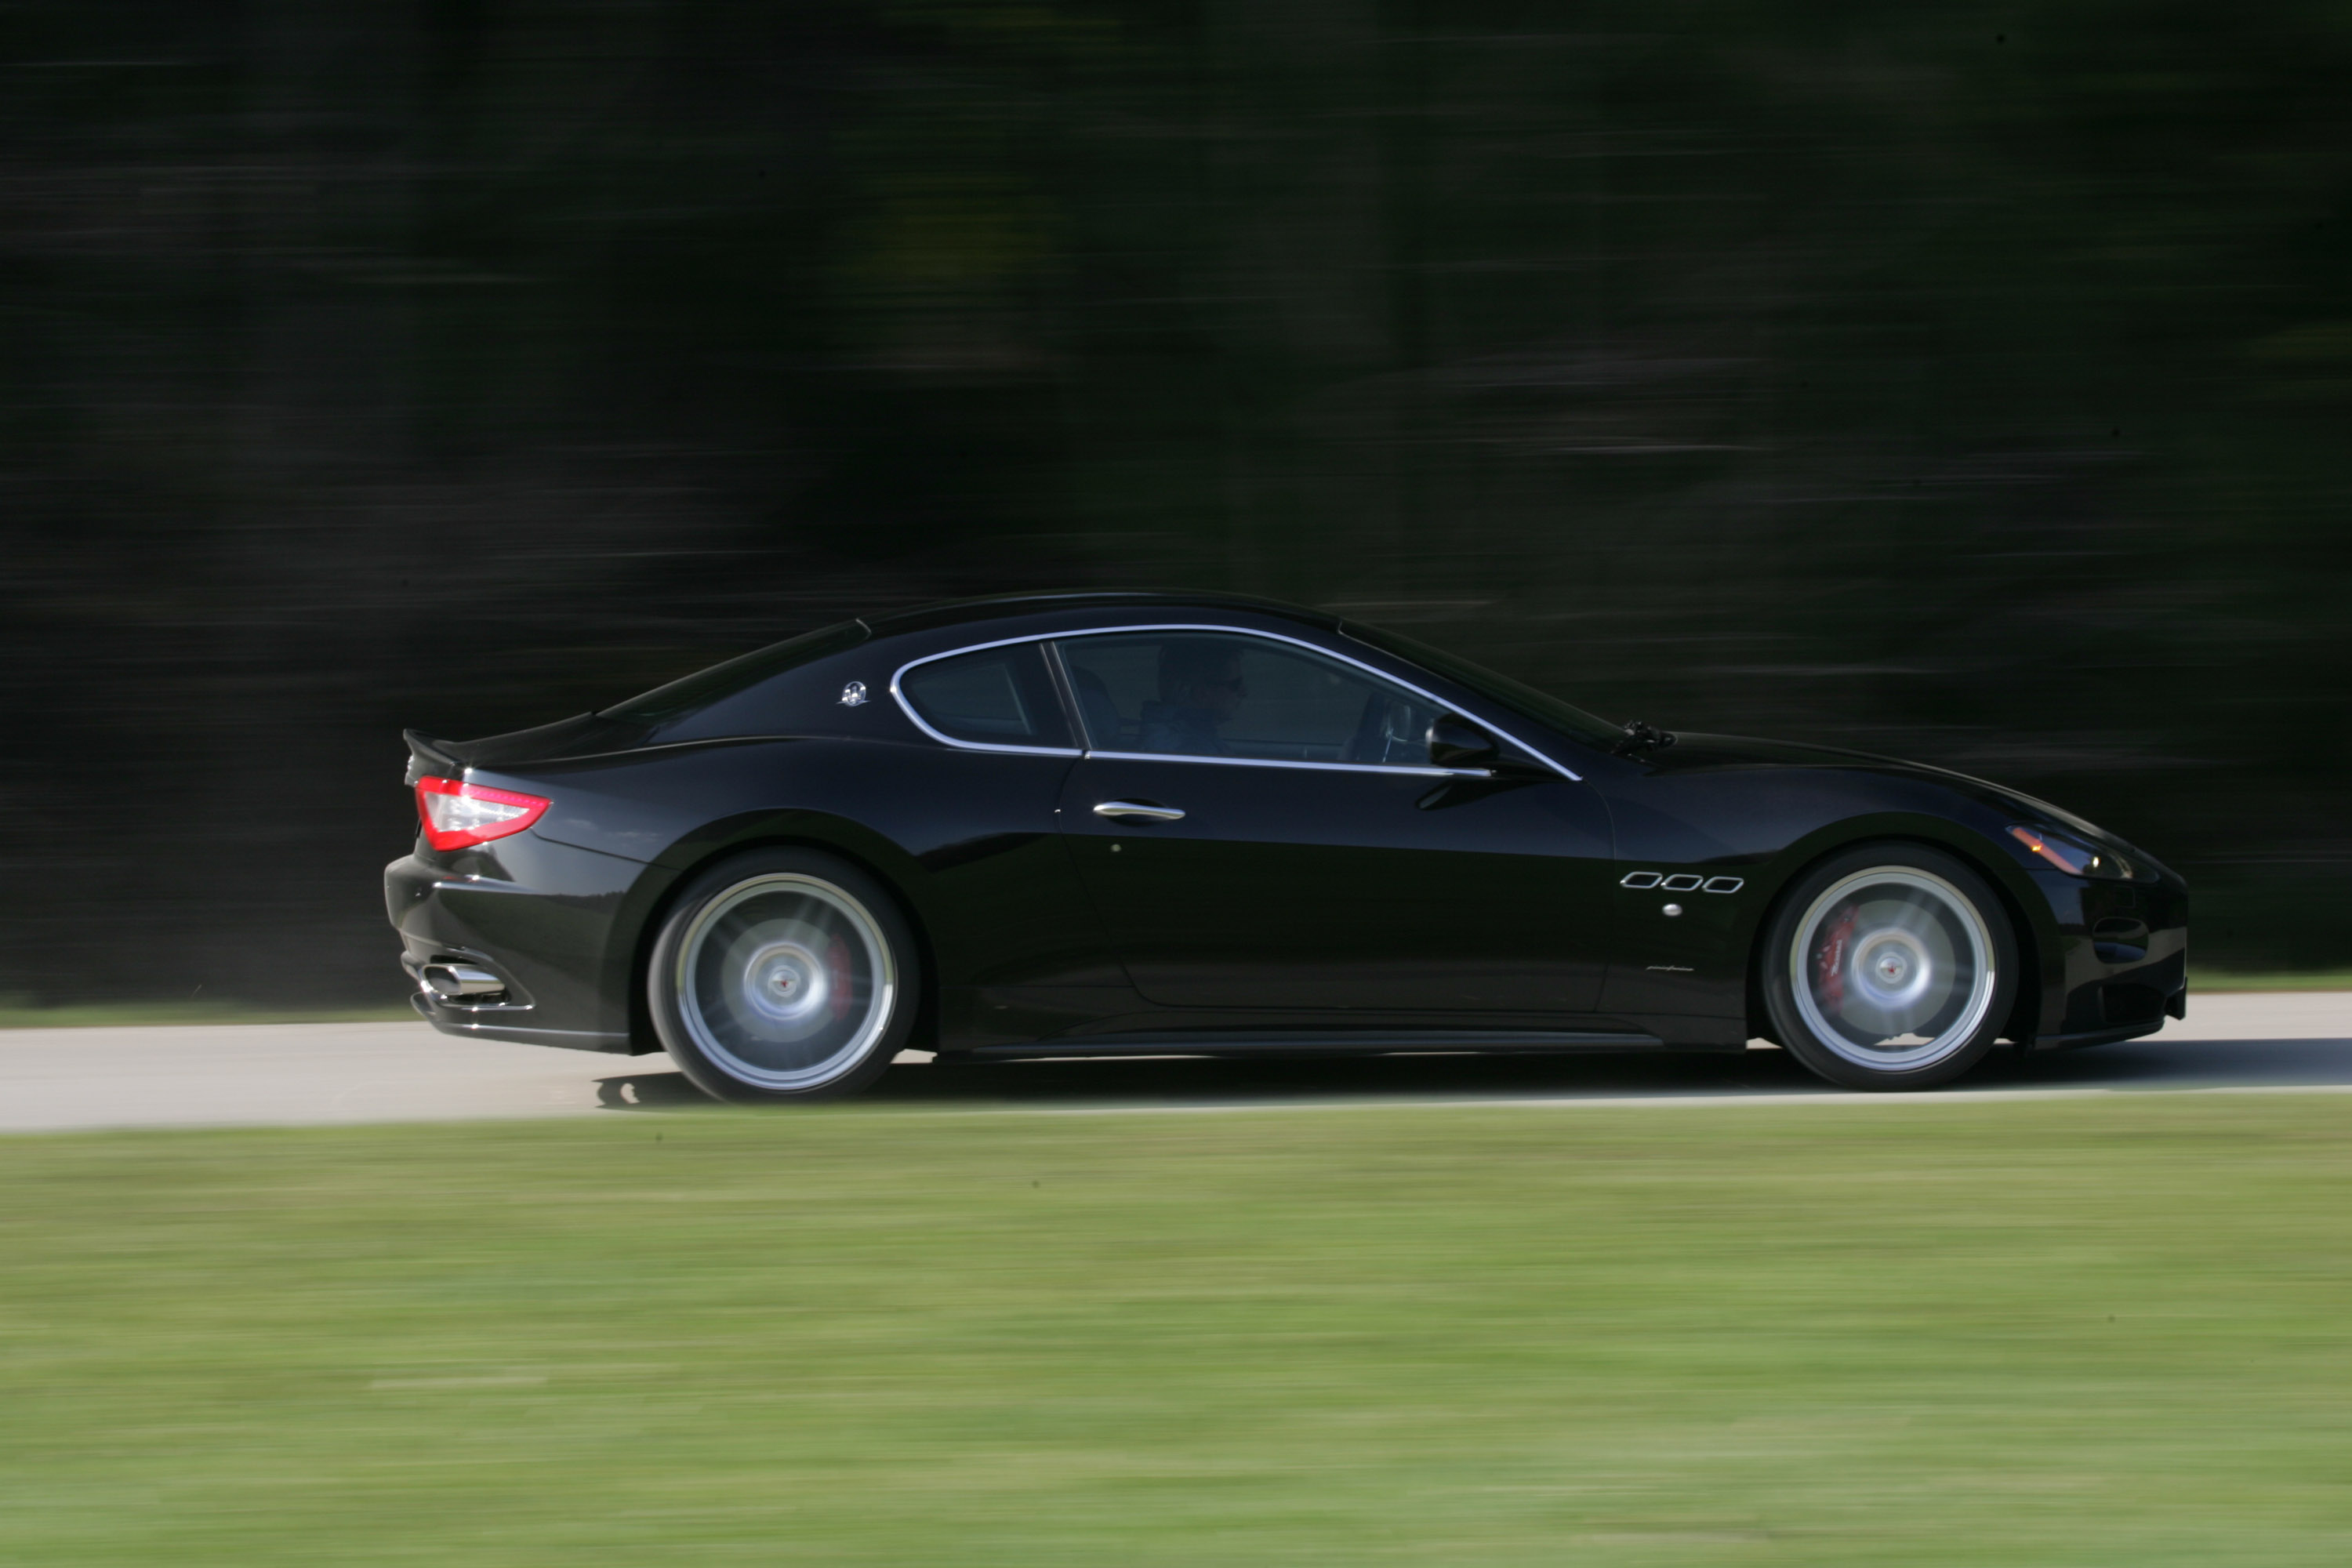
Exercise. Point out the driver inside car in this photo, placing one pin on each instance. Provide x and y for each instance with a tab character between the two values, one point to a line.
1200	686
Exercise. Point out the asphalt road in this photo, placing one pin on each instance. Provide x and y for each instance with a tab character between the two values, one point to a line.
54	1080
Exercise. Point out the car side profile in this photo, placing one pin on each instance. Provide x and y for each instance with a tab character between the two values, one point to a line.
1105	824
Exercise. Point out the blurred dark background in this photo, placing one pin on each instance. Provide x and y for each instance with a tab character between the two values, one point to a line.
1962	381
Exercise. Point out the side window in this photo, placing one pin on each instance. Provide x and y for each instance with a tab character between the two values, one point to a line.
1216	694
997	696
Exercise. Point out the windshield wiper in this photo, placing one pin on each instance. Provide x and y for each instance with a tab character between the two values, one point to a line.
1638	735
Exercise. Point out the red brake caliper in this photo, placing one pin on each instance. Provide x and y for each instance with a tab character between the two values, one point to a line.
1832	959
836	960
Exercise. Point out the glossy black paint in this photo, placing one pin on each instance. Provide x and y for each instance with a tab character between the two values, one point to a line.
1348	888
1324	907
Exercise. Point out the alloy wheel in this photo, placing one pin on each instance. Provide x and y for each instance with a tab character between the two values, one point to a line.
784	981
1892	968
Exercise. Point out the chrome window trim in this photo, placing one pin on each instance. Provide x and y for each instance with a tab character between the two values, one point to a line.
1405	768
916	719
1080	719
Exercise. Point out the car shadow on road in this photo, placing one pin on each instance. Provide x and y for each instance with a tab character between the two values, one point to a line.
2141	1064
669	1090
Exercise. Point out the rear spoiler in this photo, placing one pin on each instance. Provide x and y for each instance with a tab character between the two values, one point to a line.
430	757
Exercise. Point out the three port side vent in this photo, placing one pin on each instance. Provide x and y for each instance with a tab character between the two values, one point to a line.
1680	882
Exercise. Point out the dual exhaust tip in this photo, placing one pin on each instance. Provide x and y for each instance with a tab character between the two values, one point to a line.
464	983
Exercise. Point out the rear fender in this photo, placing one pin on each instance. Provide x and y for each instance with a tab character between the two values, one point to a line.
640	923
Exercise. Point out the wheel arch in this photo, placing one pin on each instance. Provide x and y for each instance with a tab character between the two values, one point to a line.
2037	938
836	836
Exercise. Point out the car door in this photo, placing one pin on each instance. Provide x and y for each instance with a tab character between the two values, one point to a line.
1259	824
977	815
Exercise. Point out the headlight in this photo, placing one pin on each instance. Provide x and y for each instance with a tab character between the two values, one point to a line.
2077	859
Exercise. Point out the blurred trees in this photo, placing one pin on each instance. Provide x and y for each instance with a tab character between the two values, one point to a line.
1922	379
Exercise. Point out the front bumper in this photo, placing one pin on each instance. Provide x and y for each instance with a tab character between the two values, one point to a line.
2124	951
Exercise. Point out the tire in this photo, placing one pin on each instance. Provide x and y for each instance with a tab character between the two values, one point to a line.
1889	966
784	975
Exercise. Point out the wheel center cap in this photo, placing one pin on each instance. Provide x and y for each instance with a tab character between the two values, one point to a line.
1892	971
785	982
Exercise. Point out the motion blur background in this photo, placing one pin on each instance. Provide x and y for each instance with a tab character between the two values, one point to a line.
1965	382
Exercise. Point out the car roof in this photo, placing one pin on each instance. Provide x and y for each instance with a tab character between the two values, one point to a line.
1009	606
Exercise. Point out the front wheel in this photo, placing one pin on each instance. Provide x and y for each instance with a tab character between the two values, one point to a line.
784	975
1889	966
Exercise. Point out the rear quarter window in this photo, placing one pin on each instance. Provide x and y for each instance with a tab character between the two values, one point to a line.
996	696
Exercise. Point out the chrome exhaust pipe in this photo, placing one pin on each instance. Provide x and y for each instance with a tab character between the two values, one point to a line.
464	982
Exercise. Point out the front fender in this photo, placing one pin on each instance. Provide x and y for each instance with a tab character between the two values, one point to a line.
1767	825
1985	846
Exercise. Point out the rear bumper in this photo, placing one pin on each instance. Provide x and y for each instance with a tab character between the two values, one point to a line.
548	919
484	1025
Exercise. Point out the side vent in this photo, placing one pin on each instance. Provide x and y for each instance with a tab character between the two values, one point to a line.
1680	882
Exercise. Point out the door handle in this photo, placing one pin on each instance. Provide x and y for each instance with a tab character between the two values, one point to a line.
1138	811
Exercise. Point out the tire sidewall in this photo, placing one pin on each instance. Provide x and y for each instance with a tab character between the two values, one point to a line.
661	969
1779	984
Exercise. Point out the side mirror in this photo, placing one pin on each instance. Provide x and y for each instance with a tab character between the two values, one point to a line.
1458	743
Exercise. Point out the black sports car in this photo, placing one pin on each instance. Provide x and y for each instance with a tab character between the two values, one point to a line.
1095	824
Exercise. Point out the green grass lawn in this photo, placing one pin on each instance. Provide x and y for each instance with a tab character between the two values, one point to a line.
17	1014
2210	981
2112	1331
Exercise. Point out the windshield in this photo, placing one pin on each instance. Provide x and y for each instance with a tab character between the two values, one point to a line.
1518	695
705	687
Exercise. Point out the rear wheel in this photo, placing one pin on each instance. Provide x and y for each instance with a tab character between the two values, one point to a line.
784	975
1890	966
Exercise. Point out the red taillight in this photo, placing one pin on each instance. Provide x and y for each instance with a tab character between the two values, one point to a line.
457	814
